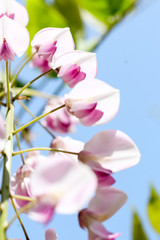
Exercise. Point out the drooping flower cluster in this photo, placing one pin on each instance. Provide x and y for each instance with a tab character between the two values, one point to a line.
13	19
74	173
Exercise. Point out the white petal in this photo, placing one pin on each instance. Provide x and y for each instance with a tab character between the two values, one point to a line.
16	36
21	14
113	150
13	7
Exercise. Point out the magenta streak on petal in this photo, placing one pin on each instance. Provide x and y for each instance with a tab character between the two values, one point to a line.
63	127
57	124
82	109
40	62
6	52
104	179
73	75
47	50
81	76
92	118
11	16
86	112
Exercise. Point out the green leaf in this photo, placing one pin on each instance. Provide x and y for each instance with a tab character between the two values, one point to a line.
154	209
42	15
70	10
137	229
107	11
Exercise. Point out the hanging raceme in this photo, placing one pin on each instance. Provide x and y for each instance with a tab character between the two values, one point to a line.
74	173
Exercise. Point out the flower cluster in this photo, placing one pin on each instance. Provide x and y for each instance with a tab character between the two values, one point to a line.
74	173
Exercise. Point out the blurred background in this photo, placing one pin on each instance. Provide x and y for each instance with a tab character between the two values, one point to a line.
126	38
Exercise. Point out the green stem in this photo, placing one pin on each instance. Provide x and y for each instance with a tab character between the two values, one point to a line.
6	171
22	210
19	219
33	116
8	89
24	64
28	84
23	198
19	147
43	149
38	118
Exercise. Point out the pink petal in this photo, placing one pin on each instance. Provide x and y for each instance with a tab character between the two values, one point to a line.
70	187
42	212
40	62
86	60
104	179
71	74
17	42
80	108
92	118
50	234
60	121
106	203
112	149
6	52
98	231
86	112
47	50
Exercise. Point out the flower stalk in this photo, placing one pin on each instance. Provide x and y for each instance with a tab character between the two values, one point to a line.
19	219
21	68
42	149
28	84
7	83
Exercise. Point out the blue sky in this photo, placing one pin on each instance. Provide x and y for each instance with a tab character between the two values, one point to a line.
128	59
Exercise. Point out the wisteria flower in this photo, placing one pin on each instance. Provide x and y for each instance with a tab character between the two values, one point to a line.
15	11
60	121
20	181
60	183
50	42
110	149
21	185
68	144
75	66
96	231
68	189
12	44
93	101
102	206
